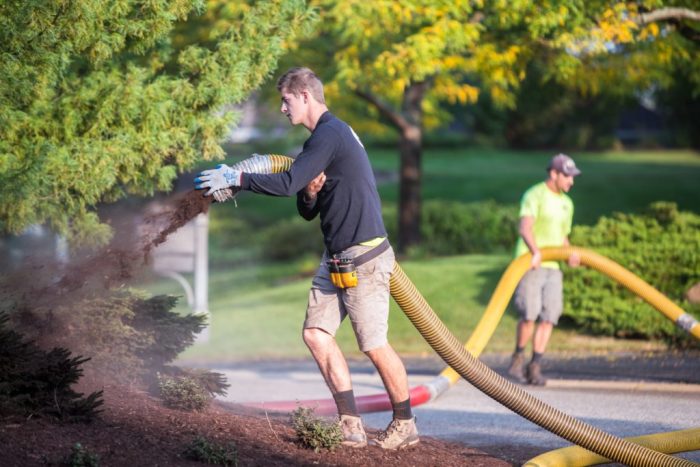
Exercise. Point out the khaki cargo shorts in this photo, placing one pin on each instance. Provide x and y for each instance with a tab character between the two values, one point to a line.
540	295
367	304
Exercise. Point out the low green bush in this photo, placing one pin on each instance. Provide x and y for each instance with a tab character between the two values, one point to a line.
662	247
203	450
183	393
291	238
313	432
81	457
447	228
452	228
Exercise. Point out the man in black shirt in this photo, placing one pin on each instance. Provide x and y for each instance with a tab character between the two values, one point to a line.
332	178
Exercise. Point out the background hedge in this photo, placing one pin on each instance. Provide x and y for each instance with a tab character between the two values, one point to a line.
661	246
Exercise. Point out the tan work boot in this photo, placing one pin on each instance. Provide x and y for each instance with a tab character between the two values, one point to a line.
534	374
516	371
398	435
353	431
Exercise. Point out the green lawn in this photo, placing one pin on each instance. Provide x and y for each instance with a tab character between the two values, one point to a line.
257	313
609	182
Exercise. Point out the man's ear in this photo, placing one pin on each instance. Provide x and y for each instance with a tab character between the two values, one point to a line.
305	95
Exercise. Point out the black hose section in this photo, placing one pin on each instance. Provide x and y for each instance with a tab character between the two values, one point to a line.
516	399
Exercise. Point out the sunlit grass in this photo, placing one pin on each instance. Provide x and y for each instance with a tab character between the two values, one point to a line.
263	318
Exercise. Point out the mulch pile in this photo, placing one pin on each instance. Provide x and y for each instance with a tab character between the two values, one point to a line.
136	430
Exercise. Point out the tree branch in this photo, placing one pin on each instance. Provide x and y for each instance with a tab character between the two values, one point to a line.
385	110
664	14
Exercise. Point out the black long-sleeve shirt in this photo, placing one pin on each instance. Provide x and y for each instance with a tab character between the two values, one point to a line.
348	203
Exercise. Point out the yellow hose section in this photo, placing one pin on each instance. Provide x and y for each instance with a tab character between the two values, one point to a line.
494	311
616	272
517	269
576	456
280	163
515	398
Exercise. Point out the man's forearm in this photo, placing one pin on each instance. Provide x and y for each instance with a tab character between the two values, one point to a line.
530	242
307	206
528	237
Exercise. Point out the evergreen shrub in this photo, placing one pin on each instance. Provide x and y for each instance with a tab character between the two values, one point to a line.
662	247
128	337
34	382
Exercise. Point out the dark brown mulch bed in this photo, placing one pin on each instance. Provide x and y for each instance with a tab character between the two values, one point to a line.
136	430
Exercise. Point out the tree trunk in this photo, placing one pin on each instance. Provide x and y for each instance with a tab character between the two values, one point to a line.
409	188
409	123
410	149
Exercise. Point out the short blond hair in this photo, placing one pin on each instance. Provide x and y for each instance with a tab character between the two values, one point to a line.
298	79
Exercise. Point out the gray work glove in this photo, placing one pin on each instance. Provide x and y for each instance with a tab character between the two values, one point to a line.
217	179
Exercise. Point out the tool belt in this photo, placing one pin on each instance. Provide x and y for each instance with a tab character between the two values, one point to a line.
344	270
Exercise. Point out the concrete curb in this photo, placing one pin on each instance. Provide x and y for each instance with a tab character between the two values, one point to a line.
640	386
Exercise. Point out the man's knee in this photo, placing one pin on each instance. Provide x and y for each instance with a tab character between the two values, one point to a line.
382	353
376	351
316	338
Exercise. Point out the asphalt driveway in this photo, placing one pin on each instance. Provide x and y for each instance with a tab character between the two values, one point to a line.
623	394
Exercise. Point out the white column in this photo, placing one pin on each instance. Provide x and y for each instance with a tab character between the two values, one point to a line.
62	255
201	271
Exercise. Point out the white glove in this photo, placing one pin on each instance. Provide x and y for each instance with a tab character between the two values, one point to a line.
221	196
219	178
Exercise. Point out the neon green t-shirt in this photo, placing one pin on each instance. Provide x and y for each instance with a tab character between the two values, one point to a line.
553	214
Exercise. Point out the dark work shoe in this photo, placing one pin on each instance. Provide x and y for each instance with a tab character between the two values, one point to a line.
516	371
534	374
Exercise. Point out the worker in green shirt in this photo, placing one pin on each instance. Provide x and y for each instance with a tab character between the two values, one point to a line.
546	214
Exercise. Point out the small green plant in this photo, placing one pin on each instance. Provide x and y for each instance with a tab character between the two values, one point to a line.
81	457
182	392
315	433
202	450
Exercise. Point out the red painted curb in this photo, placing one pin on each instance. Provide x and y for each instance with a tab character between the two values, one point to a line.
365	404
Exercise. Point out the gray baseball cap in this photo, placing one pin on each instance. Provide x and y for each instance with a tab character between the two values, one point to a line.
563	164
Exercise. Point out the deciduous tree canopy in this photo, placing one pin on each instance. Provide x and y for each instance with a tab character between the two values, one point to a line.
399	62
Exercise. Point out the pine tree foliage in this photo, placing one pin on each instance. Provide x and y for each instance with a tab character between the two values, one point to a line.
127	336
96	102
34	382
171	333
